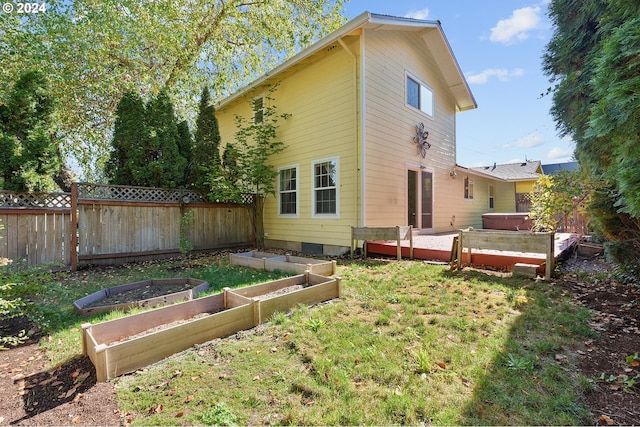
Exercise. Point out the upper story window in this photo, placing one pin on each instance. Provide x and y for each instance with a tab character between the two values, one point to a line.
492	196
288	190
419	96
258	110
325	187
468	188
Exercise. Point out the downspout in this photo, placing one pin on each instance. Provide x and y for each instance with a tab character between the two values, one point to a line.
359	132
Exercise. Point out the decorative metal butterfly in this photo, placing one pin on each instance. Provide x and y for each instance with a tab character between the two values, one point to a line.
421	140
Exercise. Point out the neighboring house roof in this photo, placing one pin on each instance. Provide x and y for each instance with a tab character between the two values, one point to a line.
523	171
430	31
554	168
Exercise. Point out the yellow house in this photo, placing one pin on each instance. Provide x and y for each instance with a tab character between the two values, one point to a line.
371	140
522	176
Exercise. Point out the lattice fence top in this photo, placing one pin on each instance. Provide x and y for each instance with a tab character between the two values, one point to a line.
138	194
34	200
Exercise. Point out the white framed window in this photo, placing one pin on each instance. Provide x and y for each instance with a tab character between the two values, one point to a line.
288	191
492	196
325	187
468	188
258	109
419	95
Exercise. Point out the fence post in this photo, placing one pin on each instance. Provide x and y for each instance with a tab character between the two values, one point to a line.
73	251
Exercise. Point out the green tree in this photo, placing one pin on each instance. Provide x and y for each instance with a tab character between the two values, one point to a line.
247	167
206	141
94	52
28	147
554	197
592	60
185	149
148	145
159	163
129	133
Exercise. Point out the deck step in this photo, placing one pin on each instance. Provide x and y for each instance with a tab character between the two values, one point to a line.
525	270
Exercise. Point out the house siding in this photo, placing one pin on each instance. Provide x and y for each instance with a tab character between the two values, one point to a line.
321	96
390	128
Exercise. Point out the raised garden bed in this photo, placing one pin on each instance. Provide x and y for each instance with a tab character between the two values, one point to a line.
287	263
147	293
123	345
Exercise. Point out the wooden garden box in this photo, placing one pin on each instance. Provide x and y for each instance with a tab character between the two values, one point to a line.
198	286
287	263
123	345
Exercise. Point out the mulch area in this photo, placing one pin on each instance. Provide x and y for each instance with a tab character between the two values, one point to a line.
32	394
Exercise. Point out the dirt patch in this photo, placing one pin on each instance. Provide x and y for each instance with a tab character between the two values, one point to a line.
141	293
616	320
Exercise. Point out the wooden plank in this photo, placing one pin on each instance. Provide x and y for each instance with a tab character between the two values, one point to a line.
397	233
127	356
117	329
309	295
512	241
272	286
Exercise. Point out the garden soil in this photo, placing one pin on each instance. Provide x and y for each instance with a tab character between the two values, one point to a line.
33	394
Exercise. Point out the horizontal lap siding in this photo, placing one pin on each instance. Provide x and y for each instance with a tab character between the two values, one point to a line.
320	95
390	128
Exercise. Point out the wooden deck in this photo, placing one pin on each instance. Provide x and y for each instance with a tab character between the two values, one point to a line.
437	247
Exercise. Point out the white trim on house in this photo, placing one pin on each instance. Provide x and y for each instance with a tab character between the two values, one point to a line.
436	40
335	215
297	191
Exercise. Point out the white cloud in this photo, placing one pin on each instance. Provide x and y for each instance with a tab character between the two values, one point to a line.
518	26
528	141
502	75
558	153
418	14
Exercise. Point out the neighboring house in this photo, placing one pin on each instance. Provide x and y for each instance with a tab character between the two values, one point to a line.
519	179
555	168
371	140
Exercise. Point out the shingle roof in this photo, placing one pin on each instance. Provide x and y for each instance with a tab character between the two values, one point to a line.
554	168
529	170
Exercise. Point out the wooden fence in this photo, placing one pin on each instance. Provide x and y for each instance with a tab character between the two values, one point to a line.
101	224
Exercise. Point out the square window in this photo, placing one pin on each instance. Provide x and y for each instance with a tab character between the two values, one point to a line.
419	96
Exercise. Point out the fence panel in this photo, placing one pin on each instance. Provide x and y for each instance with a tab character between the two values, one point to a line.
36	236
112	224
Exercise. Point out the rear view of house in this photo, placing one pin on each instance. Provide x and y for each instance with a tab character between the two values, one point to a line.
371	140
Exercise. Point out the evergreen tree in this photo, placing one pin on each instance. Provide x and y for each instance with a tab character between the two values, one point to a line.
206	142
185	148
161	164
593	61
29	155
130	132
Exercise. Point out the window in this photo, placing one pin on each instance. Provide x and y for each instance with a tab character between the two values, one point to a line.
288	190
492	196
258	109
468	188
325	187
419	96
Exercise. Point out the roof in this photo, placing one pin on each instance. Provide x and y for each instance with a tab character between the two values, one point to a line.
430	31
554	168
523	171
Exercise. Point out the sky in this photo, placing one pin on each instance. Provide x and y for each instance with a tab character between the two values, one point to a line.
499	46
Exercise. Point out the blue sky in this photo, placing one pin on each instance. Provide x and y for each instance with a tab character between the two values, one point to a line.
499	46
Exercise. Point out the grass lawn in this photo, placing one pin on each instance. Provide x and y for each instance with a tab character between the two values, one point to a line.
408	343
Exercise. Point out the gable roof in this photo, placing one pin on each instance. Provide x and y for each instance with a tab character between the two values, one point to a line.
430	31
523	171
